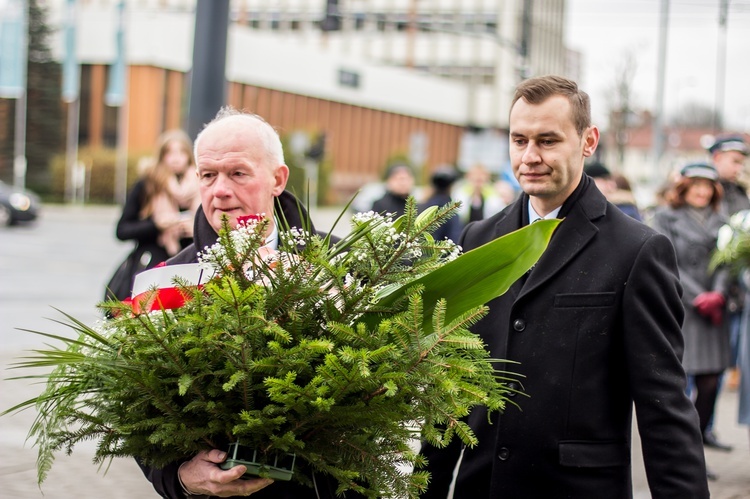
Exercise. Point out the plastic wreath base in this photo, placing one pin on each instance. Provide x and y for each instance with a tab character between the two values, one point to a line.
280	467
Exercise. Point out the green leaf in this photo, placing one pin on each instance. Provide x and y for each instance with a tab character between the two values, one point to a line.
476	277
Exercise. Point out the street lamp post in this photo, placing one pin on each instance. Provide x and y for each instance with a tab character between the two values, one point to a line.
657	132
721	68
208	78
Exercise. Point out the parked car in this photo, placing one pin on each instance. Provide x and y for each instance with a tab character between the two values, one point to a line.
17	205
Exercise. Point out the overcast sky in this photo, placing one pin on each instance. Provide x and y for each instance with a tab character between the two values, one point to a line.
605	30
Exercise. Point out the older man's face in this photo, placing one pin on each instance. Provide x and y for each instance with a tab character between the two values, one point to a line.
729	164
236	178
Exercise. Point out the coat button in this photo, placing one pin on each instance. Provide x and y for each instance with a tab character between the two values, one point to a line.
504	454
519	325
513	386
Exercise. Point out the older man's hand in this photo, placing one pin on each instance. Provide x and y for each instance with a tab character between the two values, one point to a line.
202	475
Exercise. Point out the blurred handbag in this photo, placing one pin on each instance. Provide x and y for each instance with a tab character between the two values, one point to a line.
121	283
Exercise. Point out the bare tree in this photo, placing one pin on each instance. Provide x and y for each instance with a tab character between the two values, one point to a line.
695	115
621	102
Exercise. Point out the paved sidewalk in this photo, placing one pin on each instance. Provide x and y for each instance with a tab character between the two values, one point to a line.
732	468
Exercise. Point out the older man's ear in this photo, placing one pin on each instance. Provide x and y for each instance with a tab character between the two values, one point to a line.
281	175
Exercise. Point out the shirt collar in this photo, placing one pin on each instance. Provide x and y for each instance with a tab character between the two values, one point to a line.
272	241
534	216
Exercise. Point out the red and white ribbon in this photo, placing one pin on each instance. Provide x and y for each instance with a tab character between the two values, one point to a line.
156	288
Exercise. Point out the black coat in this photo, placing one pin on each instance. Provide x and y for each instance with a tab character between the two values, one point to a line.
165	480
147	252
735	198
390	203
596	328
142	230
451	229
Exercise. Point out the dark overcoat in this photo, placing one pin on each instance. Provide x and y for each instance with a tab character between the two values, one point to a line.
596	328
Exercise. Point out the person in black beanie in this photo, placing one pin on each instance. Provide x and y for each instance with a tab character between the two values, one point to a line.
442	179
399	182
607	184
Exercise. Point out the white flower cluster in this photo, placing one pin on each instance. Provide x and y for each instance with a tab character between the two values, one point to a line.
294	237
245	237
738	224
386	237
452	252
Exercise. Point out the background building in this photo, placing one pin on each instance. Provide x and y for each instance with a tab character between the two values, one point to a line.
428	81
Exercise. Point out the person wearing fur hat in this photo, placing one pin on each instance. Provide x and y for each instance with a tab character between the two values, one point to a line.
441	181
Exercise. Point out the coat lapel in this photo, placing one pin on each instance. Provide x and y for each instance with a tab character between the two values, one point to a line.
571	237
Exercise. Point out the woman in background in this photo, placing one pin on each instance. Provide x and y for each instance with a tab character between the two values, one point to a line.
692	221
159	209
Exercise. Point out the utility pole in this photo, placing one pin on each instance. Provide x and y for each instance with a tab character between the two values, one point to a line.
117	96
657	140
525	42
721	69
71	97
208	76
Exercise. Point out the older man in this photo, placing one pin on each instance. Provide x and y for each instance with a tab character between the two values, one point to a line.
595	328
241	169
729	155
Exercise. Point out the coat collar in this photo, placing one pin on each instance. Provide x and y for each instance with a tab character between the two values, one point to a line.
577	229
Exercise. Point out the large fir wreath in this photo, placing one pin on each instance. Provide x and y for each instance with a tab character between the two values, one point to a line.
338	353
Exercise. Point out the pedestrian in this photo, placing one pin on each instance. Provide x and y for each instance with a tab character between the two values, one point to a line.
743	360
399	184
741	221
241	172
594	328
478	196
158	210
620	194
692	222
728	156
441	181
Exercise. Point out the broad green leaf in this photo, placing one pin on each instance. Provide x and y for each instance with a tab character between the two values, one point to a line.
478	276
